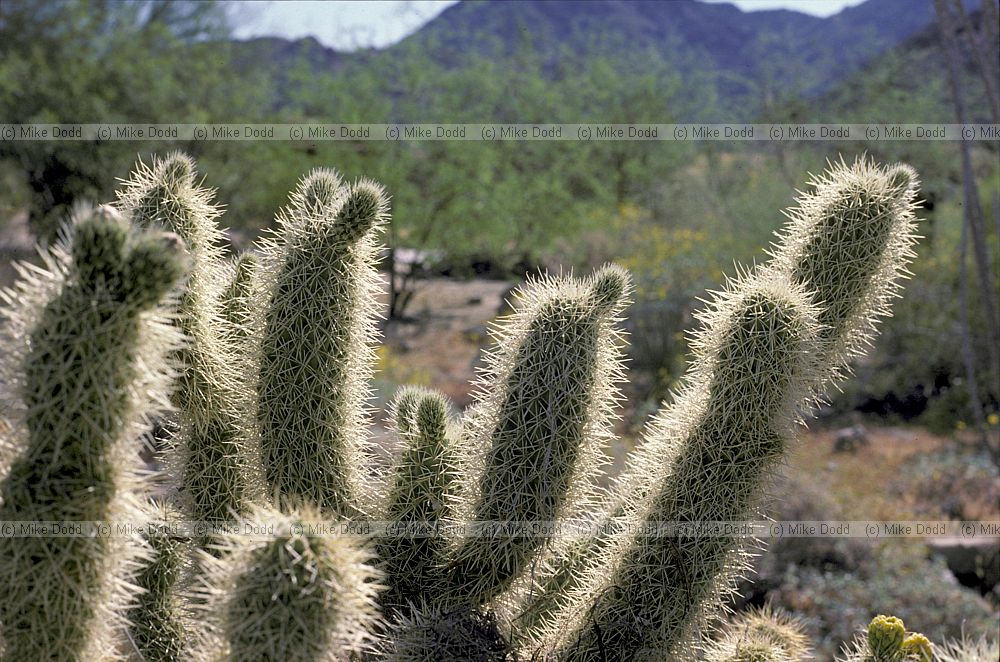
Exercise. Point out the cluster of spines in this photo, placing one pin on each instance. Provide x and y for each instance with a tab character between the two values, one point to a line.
760	635
968	649
317	343
282	588
432	633
94	335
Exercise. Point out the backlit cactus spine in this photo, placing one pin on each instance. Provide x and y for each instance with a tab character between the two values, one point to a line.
94	336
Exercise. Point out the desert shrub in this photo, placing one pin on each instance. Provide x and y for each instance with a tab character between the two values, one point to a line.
961	483
899	580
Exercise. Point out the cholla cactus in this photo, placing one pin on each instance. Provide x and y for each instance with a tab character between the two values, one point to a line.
271	435
844	287
92	367
316	351
886	640
215	451
760	635
283	590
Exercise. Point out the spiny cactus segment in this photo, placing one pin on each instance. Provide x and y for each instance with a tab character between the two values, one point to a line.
215	456
544	402
316	352
282	589
156	624
421	498
92	367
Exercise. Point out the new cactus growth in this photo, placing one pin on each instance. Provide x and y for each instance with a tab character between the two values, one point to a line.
92	368
271	435
421	497
885	637
886	640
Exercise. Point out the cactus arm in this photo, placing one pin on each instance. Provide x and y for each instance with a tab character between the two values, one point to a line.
544	403
214	455
421	495
157	628
279	591
94	338
316	353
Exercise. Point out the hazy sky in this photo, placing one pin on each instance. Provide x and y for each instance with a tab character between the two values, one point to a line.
353	24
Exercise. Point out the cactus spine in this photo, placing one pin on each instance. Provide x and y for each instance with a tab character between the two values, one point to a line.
93	368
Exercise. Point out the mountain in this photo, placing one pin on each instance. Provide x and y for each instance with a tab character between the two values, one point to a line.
785	51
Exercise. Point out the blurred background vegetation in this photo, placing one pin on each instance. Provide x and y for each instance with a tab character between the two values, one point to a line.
677	214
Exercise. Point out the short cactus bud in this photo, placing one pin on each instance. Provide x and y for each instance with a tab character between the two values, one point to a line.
918	648
885	637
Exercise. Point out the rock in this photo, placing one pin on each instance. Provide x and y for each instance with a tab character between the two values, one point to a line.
848	440
974	562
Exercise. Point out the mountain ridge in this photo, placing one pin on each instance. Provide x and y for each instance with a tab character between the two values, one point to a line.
788	51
